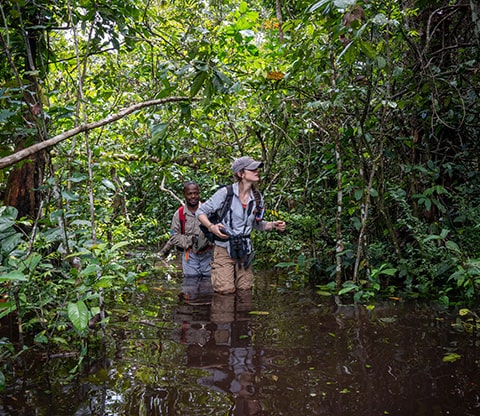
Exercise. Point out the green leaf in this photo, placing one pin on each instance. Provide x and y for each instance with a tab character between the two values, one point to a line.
243	7
7	308
197	83
7	217
367	49
388	272
451	357
159	130
91	269
14	276
60	340
108	184
78	315
120	245
349	54
41	338
5	114
346	290
32	261
381	62
69	196
77	177
319	4
105	281
323	293
285	264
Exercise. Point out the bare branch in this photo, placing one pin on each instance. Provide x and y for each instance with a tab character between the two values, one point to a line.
162	188
24	153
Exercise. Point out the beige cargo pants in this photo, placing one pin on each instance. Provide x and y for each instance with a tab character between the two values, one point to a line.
227	274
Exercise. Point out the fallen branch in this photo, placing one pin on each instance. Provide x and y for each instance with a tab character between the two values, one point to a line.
24	153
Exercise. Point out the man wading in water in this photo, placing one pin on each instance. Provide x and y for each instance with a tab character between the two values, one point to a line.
233	252
197	250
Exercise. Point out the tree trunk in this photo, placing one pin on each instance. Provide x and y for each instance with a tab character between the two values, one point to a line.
24	182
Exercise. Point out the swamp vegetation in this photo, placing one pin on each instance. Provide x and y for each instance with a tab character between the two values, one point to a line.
366	114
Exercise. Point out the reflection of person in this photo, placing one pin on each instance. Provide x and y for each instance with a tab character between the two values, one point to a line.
233	252
230	316
197	250
218	339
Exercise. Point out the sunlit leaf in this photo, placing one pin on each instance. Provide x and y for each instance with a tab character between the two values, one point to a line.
451	357
120	245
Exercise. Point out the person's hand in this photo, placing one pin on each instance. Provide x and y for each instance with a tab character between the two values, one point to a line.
218	230
279	225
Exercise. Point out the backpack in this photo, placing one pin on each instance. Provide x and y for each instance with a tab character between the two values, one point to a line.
217	216
182	218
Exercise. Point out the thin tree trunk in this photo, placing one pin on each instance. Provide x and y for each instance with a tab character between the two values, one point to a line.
278	11
364	218
338	219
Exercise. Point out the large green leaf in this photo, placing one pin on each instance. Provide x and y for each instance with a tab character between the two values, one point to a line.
78	314
13	276
7	217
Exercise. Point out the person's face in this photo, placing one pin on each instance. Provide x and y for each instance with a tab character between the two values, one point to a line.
251	175
192	195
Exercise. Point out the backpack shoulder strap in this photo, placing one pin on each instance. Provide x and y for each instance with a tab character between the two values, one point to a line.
183	219
227	203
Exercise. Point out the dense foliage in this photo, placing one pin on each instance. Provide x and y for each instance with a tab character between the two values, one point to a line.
366	114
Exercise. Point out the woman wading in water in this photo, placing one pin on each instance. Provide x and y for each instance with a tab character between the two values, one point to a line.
233	252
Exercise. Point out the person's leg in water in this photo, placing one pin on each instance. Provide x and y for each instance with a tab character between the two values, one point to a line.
229	275
196	283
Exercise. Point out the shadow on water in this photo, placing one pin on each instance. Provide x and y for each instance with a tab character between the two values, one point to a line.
275	351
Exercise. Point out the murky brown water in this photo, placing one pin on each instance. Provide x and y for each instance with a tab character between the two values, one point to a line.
276	351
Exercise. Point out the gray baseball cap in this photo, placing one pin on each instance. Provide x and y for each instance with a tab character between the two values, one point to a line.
245	162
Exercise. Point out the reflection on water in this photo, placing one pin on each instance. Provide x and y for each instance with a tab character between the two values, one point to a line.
218	339
271	352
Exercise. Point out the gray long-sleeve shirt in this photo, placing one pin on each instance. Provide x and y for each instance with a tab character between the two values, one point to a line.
192	236
238	220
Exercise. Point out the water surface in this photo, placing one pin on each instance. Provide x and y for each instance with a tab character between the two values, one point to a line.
273	351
